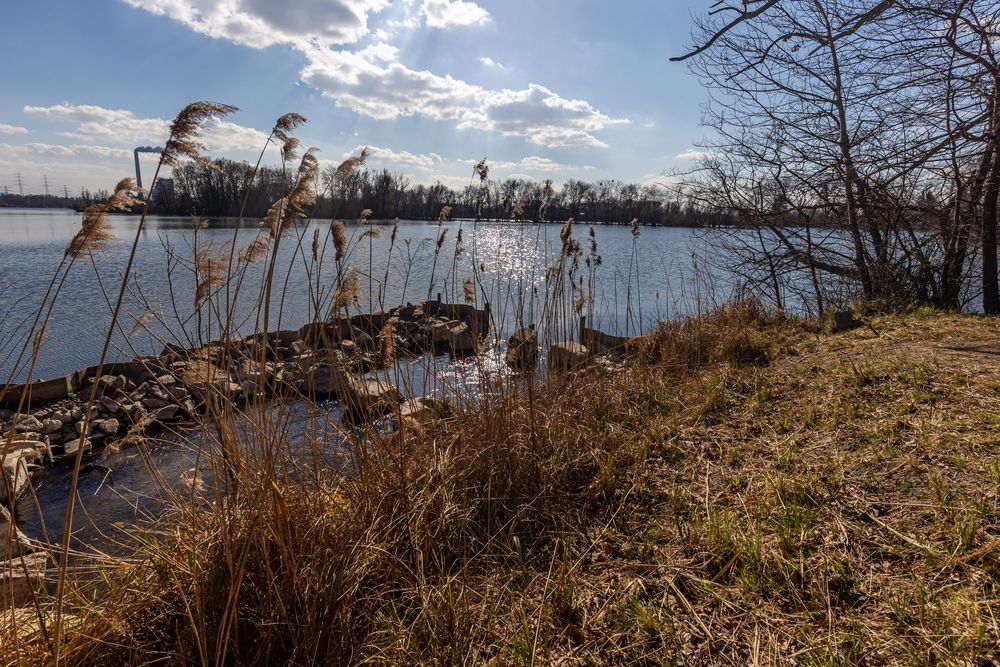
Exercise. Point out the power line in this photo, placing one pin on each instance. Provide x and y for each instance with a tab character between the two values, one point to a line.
20	184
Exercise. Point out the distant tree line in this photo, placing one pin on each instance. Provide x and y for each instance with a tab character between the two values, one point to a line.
77	203
220	191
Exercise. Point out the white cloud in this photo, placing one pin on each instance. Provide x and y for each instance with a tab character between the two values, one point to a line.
15	149
223	136
403	158
97	123
380	52
545	164
545	118
263	23
447	13
372	81
94	123
533	163
50	150
523	177
387	90
489	62
449	180
101	151
692	154
12	129
65	151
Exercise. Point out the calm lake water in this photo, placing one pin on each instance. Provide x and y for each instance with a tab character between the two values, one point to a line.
512	261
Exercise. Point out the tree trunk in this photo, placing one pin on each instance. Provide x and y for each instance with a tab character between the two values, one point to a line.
850	173
991	284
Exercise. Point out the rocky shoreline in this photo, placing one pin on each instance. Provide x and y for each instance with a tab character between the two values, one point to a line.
318	361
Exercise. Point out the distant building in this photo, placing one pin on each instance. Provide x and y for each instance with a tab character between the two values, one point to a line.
163	190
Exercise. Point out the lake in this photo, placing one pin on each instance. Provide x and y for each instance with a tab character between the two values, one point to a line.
630	292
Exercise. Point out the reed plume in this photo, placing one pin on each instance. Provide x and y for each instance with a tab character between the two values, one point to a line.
387	342
283	128
256	250
210	265
288	210
593	247
469	290
184	130
443	215
350	165
482	170
371	233
95	231
288	123
348	293
548	191
518	209
339	239
141	322
566	232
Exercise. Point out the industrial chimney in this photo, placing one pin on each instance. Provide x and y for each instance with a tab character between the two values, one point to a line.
143	149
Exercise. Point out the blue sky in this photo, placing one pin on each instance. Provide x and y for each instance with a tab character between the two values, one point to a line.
543	88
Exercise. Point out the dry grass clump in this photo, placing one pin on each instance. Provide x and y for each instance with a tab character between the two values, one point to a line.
730	334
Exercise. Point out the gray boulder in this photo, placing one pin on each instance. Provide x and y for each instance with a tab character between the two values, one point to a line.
51	425
107	426
21	578
73	446
13	542
26	423
167	413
